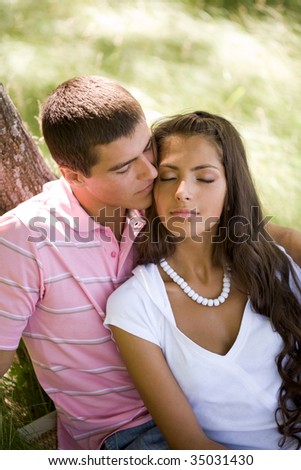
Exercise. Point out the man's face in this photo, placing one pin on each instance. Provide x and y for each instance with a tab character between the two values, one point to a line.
124	175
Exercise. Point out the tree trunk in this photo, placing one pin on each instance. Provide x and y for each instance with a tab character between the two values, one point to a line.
22	168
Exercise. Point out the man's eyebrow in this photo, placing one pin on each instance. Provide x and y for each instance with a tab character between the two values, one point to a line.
121	165
149	143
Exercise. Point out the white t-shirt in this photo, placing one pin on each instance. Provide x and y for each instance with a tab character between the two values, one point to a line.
234	396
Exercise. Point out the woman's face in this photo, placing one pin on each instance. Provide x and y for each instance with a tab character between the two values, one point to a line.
191	186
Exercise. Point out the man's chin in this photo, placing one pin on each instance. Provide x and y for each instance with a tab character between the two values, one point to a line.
145	204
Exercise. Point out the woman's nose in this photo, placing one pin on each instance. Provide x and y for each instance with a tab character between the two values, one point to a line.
183	193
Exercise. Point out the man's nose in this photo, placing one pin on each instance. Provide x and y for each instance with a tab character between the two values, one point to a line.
148	171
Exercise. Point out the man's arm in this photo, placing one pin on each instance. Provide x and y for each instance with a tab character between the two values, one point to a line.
289	238
19	285
6	359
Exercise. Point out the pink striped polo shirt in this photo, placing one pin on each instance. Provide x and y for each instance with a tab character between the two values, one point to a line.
57	269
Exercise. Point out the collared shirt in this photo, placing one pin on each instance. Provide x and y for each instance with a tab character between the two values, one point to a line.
58	267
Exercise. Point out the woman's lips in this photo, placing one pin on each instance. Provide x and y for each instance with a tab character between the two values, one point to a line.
184	213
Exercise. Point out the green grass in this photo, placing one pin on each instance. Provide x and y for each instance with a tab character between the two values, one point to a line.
10	422
22	400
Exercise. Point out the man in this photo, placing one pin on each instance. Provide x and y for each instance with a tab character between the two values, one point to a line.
65	250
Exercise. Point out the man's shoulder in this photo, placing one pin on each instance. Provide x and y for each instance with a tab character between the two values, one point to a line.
137	283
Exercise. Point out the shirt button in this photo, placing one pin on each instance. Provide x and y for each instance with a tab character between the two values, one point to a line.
113	254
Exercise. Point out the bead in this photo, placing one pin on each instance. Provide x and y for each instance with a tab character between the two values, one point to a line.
194	295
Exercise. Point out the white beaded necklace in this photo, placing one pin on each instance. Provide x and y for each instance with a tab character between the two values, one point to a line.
194	295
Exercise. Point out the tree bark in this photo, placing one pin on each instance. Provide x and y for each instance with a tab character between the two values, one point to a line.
23	171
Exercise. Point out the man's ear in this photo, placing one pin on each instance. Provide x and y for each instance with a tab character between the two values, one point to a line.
74	178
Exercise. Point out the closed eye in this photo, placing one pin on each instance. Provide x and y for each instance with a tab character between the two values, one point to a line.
124	170
161	178
205	181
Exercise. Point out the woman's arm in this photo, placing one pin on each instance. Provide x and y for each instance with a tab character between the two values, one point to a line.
289	238
161	393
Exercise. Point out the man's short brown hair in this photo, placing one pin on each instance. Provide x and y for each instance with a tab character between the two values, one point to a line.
84	112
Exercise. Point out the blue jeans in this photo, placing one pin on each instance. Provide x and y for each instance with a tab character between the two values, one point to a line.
147	436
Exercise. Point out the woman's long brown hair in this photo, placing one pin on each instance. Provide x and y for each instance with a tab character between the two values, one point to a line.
256	261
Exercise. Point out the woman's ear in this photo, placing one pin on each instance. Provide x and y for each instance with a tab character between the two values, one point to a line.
74	178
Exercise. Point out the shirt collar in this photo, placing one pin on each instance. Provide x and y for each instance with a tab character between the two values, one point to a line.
64	204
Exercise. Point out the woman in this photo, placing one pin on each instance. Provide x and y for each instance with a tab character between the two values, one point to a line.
209	326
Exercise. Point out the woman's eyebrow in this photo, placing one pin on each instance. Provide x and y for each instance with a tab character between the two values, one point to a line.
195	168
201	167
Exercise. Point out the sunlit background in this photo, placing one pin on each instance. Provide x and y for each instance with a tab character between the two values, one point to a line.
238	59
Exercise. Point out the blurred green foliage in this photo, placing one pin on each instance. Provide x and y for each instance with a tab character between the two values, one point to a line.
239	59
